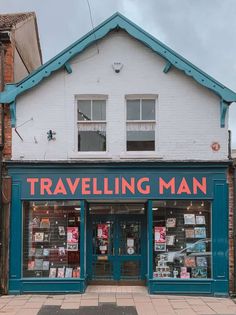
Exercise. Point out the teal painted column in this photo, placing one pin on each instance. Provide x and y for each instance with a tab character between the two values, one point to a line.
150	240
82	239
15	263
220	235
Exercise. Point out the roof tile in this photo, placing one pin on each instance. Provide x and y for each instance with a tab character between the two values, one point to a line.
7	21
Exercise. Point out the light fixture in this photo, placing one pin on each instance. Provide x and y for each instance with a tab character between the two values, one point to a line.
51	135
117	66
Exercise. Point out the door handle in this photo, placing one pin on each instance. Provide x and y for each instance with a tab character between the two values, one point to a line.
113	251
119	250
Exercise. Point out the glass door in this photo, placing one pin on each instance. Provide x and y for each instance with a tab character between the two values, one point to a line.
103	232
130	249
117	244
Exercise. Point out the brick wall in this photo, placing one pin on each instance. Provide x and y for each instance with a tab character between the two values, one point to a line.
8	77
231	230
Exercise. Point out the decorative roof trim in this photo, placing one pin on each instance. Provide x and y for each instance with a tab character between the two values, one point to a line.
116	21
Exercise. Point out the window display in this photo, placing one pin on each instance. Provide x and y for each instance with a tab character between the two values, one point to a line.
182	239
51	239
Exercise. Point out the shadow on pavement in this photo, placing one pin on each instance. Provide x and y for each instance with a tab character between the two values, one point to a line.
104	309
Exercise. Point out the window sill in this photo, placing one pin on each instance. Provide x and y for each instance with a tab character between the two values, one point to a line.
140	155
89	155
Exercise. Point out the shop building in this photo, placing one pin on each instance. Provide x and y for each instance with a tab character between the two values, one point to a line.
119	169
20	54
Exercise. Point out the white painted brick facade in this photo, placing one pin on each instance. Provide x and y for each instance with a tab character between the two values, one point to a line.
188	115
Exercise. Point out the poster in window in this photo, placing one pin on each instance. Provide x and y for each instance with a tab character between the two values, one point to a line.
160	247
189	218
130	242
170	240
200	219
61	272
38	236
171	222
199	272
102	231
200	232
52	272
72	238
45	223
160	234
189	261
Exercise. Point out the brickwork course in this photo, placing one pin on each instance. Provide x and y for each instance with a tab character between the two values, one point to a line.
8	78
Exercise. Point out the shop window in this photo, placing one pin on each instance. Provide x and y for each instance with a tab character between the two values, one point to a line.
140	124
91	122
51	238
182	239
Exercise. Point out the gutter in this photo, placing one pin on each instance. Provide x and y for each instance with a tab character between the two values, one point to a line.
1	163
234	222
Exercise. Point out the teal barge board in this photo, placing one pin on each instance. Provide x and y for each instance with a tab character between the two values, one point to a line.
127	241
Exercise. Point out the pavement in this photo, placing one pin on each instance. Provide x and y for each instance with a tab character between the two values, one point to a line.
114	300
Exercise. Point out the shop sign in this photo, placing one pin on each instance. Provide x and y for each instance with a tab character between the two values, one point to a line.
117	186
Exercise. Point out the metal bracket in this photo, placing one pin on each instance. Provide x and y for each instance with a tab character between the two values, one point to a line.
167	67
13	114
224	106
68	67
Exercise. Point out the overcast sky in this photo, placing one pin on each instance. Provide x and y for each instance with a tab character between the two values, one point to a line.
203	31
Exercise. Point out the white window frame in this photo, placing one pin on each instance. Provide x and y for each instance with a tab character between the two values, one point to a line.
141	154
88	154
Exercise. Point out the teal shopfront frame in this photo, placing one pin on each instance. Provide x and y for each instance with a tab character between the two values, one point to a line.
217	192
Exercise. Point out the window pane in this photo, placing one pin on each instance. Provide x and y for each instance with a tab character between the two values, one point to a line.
84	110
91	141
182	239
133	109
99	110
148	110
51	239
140	140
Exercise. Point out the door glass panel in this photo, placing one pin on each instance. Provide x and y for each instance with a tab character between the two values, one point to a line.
102	269
103	238
130	269
130	238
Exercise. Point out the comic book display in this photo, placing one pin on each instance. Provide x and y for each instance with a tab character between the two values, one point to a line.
51	240
182	239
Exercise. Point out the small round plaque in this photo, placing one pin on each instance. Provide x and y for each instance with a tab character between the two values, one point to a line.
215	146
130	250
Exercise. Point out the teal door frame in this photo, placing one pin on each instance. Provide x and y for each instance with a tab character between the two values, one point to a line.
116	258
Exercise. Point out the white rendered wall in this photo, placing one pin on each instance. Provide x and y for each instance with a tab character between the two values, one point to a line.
188	115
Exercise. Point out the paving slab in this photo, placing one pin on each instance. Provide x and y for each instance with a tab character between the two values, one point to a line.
89	302
107	298
70	305
125	302
28	312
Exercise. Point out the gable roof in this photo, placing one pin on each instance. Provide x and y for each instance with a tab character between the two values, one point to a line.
116	21
7	21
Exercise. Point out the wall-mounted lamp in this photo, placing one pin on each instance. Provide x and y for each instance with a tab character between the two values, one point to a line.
51	135
117	66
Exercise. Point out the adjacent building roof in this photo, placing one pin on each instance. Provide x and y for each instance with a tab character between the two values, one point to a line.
118	21
7	21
